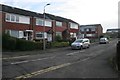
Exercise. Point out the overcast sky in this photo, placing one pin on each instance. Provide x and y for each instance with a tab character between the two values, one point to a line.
104	12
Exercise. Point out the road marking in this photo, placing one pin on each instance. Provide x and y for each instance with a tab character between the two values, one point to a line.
32	60
16	57
43	71
48	69
74	53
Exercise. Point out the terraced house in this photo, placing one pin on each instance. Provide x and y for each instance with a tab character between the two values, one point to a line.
91	31
30	25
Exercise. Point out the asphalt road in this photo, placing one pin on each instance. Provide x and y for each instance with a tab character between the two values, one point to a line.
93	62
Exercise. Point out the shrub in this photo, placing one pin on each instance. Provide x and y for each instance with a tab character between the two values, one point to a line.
25	45
58	38
11	43
60	44
8	42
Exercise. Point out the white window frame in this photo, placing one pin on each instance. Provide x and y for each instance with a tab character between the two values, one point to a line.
58	23
48	23
44	35
73	34
37	22
73	25
93	29
17	18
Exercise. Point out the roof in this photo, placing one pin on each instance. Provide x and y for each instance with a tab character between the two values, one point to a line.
90	25
113	29
15	10
19	11
58	18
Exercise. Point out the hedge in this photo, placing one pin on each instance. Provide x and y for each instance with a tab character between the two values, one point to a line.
11	43
8	42
60	44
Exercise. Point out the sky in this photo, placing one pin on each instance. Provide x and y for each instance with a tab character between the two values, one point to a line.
104	12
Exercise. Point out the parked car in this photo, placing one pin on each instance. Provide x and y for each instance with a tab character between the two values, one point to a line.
103	41
80	44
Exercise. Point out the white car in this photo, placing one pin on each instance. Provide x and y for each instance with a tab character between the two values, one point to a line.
103	41
80	43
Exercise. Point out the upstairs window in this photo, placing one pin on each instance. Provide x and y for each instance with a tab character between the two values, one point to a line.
92	29
59	24
12	18
17	18
8	17
73	26
48	23
39	22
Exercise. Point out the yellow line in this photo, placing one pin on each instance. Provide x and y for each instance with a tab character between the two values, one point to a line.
43	71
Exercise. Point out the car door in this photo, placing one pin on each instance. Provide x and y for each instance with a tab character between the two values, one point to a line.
85	43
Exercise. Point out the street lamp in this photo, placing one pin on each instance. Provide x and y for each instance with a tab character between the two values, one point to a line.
44	47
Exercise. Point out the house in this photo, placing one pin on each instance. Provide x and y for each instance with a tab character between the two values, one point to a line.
113	30
113	33
91	31
30	25
66	28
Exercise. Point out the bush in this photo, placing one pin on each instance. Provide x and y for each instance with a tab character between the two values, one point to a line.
11	43
25	45
8	42
58	38
60	44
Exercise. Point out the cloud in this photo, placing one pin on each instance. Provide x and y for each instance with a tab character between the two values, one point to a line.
82	11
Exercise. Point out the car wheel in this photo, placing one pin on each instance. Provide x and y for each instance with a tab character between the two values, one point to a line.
81	47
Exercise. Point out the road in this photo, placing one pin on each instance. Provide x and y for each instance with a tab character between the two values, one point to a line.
93	62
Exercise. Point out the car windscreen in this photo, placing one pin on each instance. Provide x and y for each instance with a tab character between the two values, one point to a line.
79	41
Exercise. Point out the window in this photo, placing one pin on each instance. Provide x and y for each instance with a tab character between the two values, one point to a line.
7	17
73	25
92	29
59	33
72	34
90	35
48	23
39	22
14	33
58	23
12	18
24	19
82	30
17	18
87	29
40	35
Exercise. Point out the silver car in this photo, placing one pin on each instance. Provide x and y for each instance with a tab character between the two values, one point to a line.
103	41
80	43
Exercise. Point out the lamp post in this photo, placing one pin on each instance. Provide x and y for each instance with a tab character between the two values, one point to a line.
44	45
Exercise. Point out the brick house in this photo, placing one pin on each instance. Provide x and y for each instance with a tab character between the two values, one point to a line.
66	28
91	31
30	25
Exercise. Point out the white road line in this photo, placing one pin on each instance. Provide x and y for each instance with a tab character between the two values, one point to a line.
20	62
16	57
74	53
